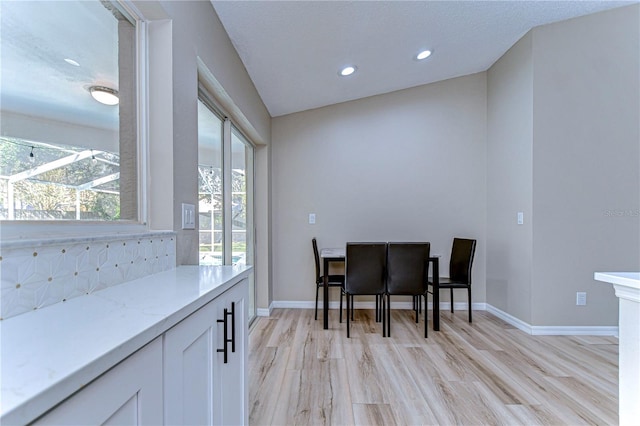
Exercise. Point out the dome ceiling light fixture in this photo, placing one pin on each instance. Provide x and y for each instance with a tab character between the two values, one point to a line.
104	95
423	55
347	70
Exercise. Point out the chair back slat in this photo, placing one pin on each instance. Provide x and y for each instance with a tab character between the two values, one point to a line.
317	258
407	267
365	268
462	253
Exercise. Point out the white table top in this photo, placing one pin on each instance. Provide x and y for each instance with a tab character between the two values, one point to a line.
341	252
48	354
333	252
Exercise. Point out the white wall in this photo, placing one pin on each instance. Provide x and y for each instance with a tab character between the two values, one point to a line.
509	180
564	146
200	47
586	163
404	166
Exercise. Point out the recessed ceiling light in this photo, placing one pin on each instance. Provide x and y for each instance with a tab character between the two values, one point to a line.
423	55
347	71
104	95
72	62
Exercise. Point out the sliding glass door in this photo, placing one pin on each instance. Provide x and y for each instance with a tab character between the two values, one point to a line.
225	194
242	207
210	196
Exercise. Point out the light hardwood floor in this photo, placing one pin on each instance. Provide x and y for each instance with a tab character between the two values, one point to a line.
487	372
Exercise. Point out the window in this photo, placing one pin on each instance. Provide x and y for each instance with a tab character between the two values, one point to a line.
225	193
63	154
242	208
210	201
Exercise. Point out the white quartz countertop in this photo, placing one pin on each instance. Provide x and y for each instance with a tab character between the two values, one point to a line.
48	354
629	279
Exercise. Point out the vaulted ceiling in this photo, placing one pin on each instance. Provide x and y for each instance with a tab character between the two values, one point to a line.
293	50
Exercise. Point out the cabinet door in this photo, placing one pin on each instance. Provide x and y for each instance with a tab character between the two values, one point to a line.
128	394
200	388
231	391
190	350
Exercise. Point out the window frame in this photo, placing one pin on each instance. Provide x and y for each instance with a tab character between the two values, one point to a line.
208	102
39	229
229	127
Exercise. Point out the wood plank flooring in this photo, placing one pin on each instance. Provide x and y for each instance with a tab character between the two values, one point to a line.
487	372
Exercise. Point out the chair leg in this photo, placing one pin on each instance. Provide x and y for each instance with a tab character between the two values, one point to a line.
341	294
377	308
426	317
451	298
352	307
384	316
417	310
469	293
317	289
388	315
348	315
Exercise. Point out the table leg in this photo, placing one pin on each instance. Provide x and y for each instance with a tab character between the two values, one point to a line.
325	297
436	294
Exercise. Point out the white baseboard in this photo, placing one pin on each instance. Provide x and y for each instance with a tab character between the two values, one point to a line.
537	330
460	306
265	312
574	330
294	304
509	319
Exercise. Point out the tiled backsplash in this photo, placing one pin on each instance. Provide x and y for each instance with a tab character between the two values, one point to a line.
38	274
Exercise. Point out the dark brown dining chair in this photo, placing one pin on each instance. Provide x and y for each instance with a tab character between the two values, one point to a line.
333	280
407	273
365	274
460	263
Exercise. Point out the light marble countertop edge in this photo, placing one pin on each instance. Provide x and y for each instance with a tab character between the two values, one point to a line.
10	244
49	354
629	279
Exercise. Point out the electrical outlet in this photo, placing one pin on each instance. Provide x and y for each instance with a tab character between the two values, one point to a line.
581	298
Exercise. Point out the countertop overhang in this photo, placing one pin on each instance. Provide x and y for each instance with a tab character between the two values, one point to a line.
625	284
49	354
629	279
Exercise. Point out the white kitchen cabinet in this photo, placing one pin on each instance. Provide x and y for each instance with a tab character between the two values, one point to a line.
128	394
231	391
142	352
200	387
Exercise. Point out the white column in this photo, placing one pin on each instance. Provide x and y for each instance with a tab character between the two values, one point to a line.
77	204
128	120
11	208
627	287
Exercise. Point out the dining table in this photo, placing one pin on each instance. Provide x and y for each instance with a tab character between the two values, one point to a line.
338	255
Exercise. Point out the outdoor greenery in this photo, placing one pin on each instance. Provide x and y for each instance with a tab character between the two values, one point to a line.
51	193
211	211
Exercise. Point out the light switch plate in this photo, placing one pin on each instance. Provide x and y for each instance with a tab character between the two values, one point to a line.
312	218
581	298
188	216
520	218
